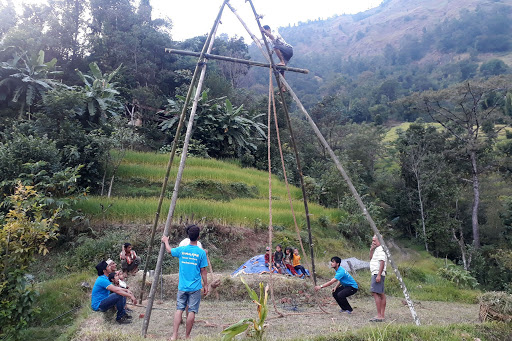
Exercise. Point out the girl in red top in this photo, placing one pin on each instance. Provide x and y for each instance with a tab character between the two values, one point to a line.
288	260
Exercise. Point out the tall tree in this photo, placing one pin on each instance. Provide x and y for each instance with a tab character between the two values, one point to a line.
470	112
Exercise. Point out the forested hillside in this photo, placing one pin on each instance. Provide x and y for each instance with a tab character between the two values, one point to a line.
395	49
414	98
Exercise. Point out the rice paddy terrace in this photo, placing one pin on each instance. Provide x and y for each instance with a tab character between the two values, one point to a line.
211	190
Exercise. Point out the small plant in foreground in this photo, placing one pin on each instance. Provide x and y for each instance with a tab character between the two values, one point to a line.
259	324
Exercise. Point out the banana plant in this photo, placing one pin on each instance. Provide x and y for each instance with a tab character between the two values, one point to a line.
258	324
101	92
25	79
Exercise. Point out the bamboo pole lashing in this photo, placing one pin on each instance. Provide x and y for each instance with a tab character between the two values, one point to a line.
235	60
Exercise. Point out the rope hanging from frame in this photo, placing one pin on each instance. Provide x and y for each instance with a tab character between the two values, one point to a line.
286	177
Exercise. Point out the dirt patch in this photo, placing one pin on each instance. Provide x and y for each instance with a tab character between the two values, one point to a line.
307	320
309	312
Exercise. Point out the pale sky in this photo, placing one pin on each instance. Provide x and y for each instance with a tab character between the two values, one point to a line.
195	17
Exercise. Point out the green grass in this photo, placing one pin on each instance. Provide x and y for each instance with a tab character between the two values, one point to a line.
237	212
251	177
59	296
453	332
56	301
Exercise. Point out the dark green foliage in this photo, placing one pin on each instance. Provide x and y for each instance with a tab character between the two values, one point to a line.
213	190
25	231
17	305
493	67
19	150
24	79
492	268
462	278
225	130
89	251
485	28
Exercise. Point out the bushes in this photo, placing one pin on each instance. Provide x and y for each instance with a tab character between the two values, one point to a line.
24	232
459	276
21	150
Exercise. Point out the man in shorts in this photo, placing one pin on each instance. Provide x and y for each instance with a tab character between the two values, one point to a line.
283	50
193	264
378	261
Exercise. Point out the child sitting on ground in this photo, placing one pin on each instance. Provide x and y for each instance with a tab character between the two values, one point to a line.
269	260
115	278
296	262
288	260
278	259
129	259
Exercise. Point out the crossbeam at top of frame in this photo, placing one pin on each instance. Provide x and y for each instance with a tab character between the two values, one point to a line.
235	60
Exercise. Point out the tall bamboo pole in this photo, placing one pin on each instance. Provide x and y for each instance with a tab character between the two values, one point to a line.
234	60
292	136
358	199
340	168
206	49
202	63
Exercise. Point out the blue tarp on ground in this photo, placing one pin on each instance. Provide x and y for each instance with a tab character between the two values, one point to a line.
256	265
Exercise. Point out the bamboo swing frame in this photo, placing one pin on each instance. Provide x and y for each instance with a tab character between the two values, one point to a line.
198	77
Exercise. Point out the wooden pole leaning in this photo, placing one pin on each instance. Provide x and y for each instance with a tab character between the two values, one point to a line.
358	199
257	42
338	165
234	60
206	49
201	63
292	136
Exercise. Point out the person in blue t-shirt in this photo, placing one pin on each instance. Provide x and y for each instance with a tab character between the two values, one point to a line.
106	295
346	287
193	263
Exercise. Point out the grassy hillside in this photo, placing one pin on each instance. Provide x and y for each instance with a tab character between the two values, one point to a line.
392	134
214	191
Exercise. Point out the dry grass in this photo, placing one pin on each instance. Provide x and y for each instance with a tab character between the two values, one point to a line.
294	298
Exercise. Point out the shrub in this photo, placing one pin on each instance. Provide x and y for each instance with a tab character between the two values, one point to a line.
455	274
24	233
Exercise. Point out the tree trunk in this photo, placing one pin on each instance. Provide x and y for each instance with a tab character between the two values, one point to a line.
103	181
422	213
476	201
110	186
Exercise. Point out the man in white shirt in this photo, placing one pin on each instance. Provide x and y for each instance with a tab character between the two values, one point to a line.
378	261
186	242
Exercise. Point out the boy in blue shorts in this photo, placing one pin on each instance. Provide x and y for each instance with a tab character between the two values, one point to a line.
193	263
